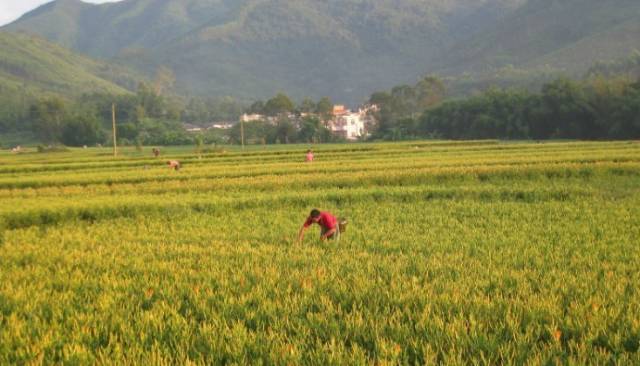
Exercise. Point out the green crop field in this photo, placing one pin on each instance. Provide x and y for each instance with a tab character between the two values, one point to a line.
456	253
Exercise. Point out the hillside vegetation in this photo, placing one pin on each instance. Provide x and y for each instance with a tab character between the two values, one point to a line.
253	48
31	67
43	66
343	48
543	35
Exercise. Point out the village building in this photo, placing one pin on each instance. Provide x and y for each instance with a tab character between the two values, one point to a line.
350	125
224	125
201	127
254	117
189	127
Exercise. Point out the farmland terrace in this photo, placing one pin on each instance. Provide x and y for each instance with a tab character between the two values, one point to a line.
469	252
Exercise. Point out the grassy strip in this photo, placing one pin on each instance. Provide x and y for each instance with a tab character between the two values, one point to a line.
139	177
295	156
177	205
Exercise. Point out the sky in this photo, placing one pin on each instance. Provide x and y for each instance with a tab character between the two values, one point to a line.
11	10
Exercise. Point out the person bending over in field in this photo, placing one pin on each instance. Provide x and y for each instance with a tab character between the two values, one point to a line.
309	157
174	164
328	225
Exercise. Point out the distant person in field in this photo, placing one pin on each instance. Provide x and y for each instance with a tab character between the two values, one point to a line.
309	156
174	164
156	152
328	225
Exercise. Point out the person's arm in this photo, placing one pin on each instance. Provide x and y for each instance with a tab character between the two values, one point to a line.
301	234
328	234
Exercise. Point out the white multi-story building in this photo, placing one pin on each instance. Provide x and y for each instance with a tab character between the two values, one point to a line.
348	124
251	117
344	122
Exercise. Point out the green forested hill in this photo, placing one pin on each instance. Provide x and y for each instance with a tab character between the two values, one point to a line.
35	64
567	36
31	67
341	48
253	48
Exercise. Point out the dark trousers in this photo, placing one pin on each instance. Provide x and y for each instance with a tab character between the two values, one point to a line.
335	236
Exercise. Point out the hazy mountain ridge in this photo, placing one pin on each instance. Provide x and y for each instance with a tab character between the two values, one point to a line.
568	35
342	48
30	62
253	48
32	67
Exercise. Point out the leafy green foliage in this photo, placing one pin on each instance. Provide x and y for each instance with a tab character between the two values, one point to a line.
625	66
81	131
205	110
398	109
47	116
596	108
599	109
313	130
282	131
278	105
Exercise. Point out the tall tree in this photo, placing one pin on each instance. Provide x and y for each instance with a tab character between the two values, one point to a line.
324	109
256	107
311	130
152	102
81	130
306	106
430	92
285	131
279	104
47	116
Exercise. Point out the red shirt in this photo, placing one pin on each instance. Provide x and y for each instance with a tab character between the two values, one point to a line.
327	221
309	157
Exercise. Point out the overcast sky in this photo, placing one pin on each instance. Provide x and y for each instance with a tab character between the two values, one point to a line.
11	10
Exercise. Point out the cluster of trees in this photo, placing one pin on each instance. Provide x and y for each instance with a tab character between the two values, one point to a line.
52	122
282	104
13	108
143	118
200	110
287	122
399	109
596	108
149	118
627	66
283	130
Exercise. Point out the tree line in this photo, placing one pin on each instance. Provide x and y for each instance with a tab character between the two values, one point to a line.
287	122
595	108
592	109
150	118
146	117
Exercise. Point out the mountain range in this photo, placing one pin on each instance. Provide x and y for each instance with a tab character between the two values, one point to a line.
344	49
566	35
34	64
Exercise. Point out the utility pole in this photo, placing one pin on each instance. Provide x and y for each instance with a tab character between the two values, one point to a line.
113	119
242	133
